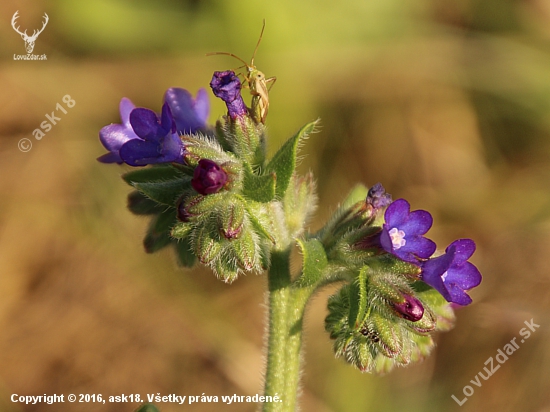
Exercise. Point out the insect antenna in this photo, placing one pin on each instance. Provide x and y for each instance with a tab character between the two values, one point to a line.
232	55
257	45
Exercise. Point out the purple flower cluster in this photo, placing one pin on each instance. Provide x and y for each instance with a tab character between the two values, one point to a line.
450	274
145	138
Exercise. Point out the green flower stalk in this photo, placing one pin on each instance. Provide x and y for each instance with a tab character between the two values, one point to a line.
213	195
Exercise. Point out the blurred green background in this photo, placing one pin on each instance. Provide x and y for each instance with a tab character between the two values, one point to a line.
446	102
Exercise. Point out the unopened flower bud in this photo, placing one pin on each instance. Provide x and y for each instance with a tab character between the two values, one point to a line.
411	309
208	178
377	197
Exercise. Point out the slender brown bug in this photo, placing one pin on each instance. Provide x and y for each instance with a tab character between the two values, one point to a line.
257	83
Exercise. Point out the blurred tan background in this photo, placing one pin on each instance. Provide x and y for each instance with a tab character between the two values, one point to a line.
446	102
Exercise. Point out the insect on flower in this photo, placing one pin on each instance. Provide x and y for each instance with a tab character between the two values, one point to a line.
257	83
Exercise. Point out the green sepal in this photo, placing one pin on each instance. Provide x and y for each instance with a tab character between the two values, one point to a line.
388	333
221	136
383	288
197	148
139	204
361	357
200	205
158	234
337	319
258	188
148	407
314	262
166	192
399	267
255	215
152	174
358	296
186	257
226	270
364	309
283	162
181	230
245	250
231	218
207	247
247	139
427	324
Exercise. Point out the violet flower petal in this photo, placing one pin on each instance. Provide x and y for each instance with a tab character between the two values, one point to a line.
145	124
189	114
202	106
139	152
125	108
113	136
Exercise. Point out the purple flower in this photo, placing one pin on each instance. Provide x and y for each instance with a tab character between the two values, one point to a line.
377	197
451	274
208	177
114	136
189	114
227	86
402	232
157	140
411	309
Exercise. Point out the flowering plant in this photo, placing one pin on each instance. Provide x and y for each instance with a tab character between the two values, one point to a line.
212	194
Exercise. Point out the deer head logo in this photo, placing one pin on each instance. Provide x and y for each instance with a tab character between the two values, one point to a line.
29	40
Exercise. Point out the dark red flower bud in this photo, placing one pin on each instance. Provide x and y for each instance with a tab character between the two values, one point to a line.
208	178
411	309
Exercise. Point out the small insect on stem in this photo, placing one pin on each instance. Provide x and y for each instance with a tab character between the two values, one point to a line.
257	83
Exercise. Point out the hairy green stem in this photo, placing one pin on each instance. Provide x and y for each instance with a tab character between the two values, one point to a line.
286	311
